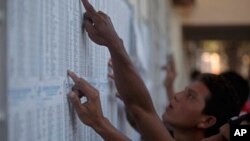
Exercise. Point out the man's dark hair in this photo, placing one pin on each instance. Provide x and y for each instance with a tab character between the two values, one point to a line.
222	102
240	85
194	74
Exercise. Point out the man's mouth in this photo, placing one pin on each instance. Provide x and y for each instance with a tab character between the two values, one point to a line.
170	106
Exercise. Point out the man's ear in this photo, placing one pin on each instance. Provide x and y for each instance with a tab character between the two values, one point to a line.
206	122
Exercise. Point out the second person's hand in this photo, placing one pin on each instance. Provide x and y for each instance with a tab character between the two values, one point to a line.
99	26
90	112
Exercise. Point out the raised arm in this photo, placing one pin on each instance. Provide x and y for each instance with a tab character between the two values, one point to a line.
170	78
129	84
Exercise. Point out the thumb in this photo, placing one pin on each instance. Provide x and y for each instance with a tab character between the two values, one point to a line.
88	25
118	96
110	64
75	101
92	33
111	75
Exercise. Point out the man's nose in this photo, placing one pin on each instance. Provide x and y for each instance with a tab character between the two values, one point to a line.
177	97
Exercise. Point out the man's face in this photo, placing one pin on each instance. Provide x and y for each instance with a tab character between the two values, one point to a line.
185	108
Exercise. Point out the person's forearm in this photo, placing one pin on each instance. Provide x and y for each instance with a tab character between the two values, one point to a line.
108	132
136	96
129	84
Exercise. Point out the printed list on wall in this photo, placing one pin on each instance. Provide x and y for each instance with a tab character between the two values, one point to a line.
45	39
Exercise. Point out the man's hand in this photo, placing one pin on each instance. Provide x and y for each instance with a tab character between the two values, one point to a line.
170	74
90	112
225	131
170	78
217	137
99	26
128	82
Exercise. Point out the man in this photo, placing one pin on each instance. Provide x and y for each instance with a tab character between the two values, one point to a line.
202	108
241	86
198	98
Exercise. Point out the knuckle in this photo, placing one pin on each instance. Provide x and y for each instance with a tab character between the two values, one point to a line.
96	91
78	81
82	81
80	111
74	88
71	96
96	94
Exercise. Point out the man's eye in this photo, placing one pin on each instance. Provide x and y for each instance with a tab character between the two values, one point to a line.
191	95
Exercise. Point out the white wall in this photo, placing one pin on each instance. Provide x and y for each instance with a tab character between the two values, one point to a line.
153	40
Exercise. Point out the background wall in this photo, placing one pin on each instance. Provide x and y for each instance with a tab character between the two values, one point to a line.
218	12
45	39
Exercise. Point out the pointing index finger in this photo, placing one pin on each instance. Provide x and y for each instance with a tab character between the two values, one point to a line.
73	76
89	8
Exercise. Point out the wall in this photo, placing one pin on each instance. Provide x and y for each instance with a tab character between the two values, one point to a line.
45	39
